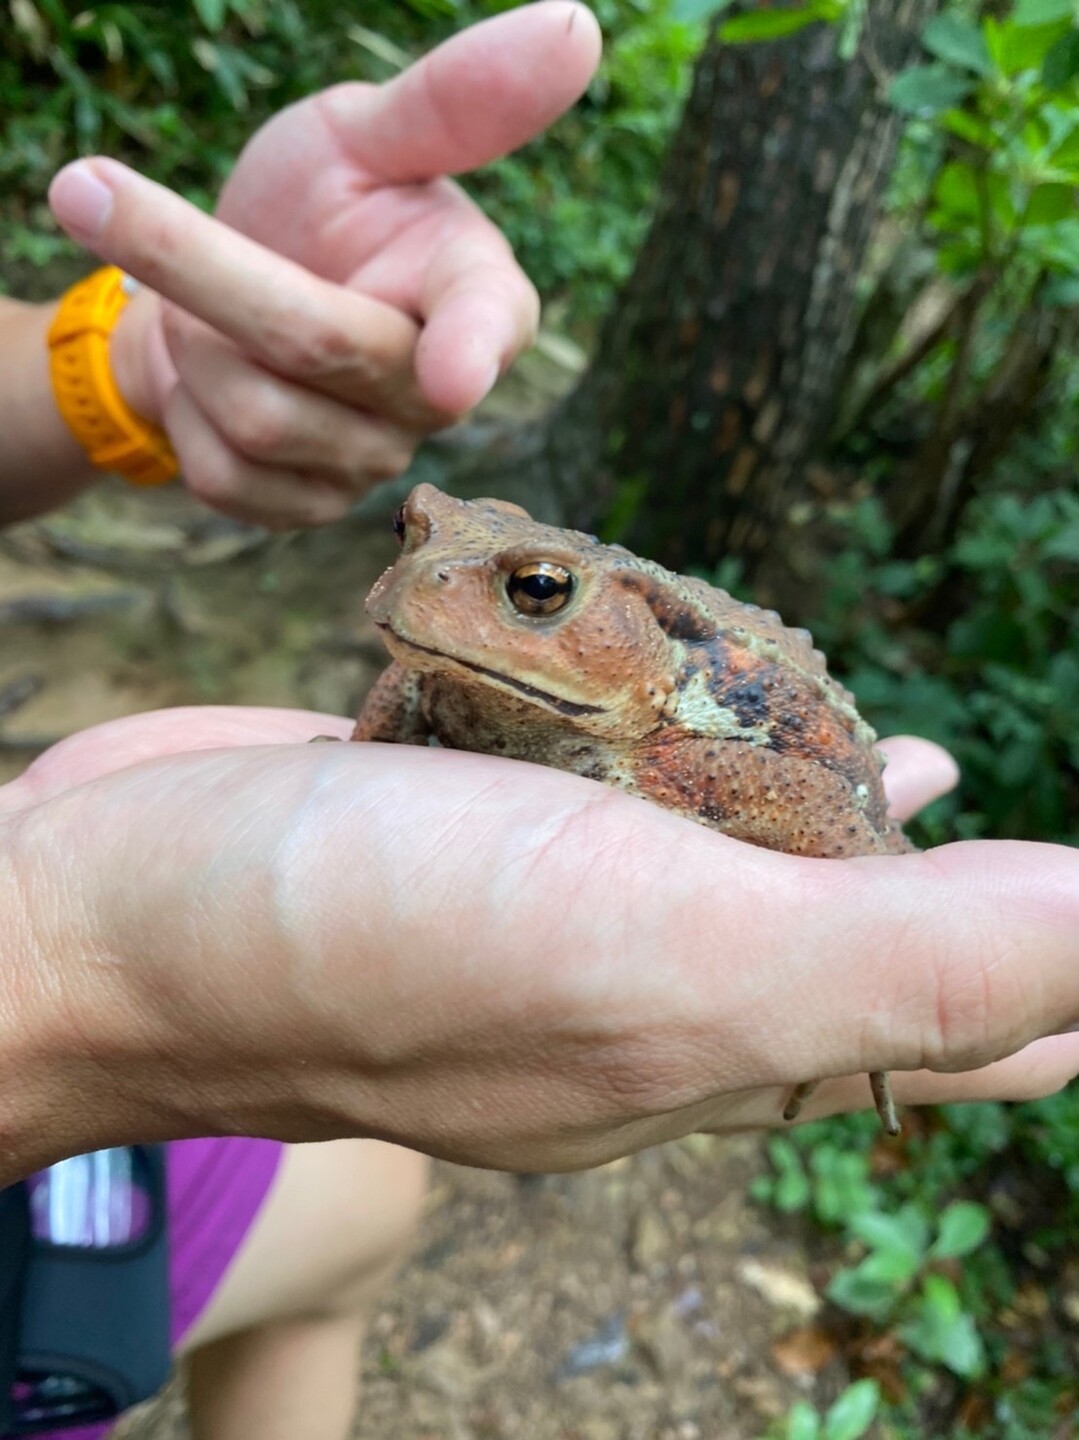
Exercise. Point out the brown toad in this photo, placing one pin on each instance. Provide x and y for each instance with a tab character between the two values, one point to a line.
519	639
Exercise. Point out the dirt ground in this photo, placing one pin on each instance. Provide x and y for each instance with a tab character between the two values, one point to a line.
648	1300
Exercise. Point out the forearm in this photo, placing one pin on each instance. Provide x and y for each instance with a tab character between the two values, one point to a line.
101	1040
41	463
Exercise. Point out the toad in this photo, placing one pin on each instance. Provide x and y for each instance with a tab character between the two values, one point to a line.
520	639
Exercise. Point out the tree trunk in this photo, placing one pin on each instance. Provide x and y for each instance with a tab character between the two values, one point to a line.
716	372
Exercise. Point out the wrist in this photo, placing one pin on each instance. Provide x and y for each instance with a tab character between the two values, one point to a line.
76	1072
33	1065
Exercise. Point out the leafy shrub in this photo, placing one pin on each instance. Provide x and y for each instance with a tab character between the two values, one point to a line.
976	648
847	1418
939	1272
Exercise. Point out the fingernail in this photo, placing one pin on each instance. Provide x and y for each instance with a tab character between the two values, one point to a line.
80	202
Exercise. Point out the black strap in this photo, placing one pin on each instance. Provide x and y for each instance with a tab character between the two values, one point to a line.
100	1317
14	1246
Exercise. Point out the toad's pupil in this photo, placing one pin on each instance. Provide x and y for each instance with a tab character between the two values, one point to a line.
540	589
399	522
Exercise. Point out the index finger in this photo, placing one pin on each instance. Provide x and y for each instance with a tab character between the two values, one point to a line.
341	343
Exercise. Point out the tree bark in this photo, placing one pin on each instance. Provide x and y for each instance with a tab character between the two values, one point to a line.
716	373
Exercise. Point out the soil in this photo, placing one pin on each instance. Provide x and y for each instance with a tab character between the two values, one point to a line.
648	1300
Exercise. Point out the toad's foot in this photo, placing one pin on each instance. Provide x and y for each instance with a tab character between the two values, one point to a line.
882	1096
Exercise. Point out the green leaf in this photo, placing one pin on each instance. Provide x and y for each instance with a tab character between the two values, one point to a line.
791	1192
1061	63
803	1423
1050	203
1056	244
1029	13
852	1414
903	1234
688	12
957	191
942	1331
958	42
963	1226
970	128
772	24
842	1184
850	33
1065	153
1016	48
928	89
873	1286
789	1187
211	13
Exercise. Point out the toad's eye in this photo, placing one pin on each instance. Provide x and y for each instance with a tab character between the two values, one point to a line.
540	588
399	524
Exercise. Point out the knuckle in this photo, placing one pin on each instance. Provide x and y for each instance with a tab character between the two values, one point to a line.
259	423
312	349
314	502
328	503
156	253
212	477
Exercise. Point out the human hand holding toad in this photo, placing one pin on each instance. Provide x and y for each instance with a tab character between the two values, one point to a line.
214	929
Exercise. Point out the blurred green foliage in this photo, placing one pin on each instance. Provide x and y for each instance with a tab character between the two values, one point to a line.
940	1273
849	1417
974	640
987	664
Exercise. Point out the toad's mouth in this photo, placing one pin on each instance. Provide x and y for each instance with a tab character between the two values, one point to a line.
531	692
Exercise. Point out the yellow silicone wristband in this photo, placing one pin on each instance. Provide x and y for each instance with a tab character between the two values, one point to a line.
114	437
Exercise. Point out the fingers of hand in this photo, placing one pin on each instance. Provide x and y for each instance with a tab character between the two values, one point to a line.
329	339
272	421
917	773
245	490
480	95
480	310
